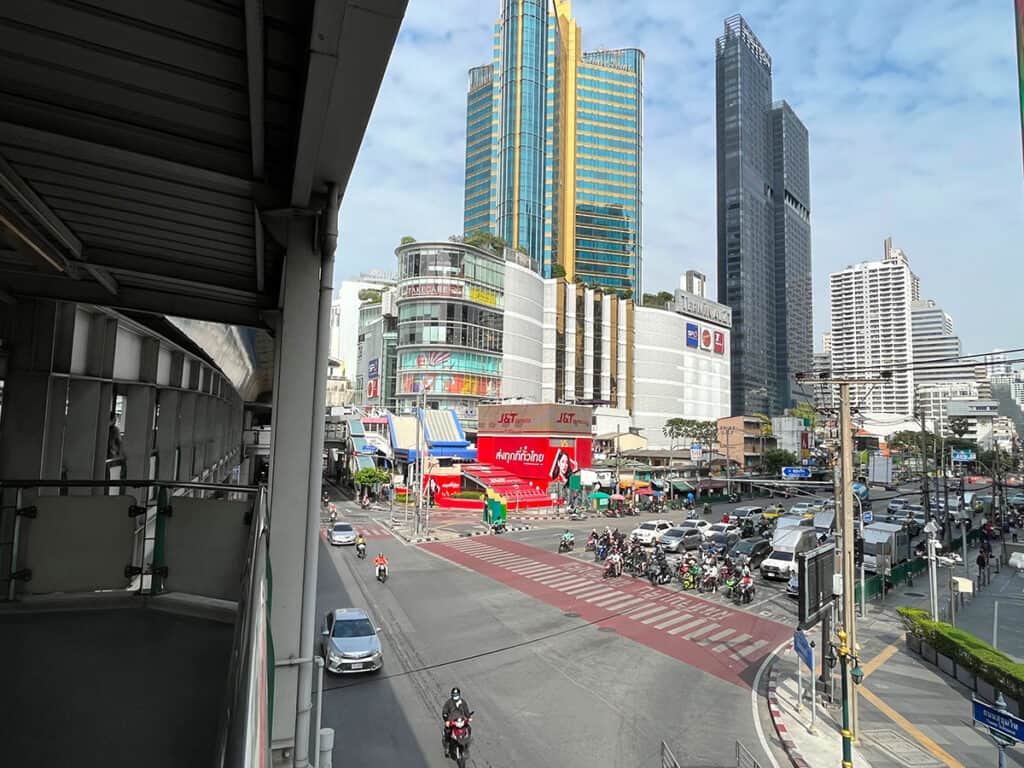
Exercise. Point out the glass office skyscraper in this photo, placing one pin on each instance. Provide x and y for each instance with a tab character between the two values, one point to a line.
764	235
553	147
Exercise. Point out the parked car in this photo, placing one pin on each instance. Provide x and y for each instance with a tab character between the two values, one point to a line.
805	508
349	642
754	550
649	532
1016	501
680	539
342	534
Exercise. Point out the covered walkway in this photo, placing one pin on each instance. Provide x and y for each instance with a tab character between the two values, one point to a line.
170	160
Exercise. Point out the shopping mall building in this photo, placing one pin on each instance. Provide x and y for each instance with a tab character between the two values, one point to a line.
473	327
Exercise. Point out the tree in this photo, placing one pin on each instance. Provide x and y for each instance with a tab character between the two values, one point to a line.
702	432
406	239
776	458
486	240
658	300
370	295
959	426
675	429
557	270
370	476
807	412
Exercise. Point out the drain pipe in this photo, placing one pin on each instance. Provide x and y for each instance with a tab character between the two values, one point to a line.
307	631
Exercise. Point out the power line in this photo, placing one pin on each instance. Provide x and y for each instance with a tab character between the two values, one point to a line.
942	363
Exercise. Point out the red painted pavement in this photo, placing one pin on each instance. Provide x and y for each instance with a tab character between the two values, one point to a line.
723	641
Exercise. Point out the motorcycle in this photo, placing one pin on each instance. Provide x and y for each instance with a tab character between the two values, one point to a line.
731	586
459	738
361	551
658	573
709	582
689	577
498	528
382	573
365	502
565	545
601	552
745	592
612	570
591	544
577	514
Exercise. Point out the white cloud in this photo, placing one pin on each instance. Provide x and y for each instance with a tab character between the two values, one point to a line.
912	110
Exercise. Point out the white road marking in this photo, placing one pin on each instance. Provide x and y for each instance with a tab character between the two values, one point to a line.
659	616
614	595
647	611
736	642
716	637
749	650
700	631
676	620
683	627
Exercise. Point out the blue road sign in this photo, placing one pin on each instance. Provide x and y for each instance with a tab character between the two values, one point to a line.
867	517
793	472
963	456
998	723
803	649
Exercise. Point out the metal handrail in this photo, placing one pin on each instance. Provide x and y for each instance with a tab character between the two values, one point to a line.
246	727
21	483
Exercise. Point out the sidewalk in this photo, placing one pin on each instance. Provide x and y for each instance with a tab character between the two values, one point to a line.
911	714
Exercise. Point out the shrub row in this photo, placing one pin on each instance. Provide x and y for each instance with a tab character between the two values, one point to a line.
967	651
468	495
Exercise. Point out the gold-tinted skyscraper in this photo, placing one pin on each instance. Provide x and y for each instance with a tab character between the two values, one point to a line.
553	147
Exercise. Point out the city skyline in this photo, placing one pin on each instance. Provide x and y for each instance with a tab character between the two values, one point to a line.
554	147
764	232
917	130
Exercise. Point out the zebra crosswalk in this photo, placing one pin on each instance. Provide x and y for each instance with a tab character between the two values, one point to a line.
720	640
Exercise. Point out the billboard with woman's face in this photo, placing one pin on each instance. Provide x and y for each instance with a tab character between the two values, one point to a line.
551	459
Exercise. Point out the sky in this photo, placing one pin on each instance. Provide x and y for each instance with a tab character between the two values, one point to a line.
913	111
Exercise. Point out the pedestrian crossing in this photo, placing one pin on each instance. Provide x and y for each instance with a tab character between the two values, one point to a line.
721	640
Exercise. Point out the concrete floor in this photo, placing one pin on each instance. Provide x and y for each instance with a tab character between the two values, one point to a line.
111	688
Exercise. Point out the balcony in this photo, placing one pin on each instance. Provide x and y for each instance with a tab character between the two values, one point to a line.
134	635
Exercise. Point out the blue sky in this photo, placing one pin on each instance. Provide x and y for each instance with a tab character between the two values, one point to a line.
912	109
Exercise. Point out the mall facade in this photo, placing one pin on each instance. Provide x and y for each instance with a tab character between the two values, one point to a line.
474	328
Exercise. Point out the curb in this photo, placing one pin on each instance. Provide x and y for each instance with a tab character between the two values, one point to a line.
511	529
404	537
780	727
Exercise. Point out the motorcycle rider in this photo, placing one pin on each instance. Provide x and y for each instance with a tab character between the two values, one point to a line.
379	561
360	543
568	537
454	706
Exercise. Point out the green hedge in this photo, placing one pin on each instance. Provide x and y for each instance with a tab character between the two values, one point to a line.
967	651
467	495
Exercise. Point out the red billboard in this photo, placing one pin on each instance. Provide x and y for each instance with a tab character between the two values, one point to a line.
545	459
442	485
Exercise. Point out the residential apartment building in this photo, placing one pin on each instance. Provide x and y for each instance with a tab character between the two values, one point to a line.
872	330
980	416
764	237
744	440
344	319
933	402
935	346
554	147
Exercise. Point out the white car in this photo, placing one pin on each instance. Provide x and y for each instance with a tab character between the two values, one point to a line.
342	534
704	526
650	532
725	528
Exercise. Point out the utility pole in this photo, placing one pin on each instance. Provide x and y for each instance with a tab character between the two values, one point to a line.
846	464
924	465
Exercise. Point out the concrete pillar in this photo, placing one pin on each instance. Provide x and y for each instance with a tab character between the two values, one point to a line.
186	433
137	441
201	431
167	432
85	434
294	373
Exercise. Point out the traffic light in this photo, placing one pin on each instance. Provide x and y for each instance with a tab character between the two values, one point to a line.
858	550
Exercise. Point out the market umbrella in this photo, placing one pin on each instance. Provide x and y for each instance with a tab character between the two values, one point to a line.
598	495
617	497
643	492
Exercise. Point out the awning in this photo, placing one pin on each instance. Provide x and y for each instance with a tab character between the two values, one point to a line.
644	492
682	486
712	485
598	495
633	484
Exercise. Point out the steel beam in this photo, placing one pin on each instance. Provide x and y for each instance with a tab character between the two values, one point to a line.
254	62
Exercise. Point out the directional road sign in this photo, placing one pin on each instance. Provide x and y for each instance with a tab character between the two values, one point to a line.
791	473
867	517
803	649
999	722
696	451
963	456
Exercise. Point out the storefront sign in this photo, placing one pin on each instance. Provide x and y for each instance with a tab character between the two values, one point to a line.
483	296
692	335
545	418
443	290
544	459
703	309
373	387
371	369
719	343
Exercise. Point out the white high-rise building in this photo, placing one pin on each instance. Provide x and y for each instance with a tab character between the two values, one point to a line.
934	345
344	319
872	330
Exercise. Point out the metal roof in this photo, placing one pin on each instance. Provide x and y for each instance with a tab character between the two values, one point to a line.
144	147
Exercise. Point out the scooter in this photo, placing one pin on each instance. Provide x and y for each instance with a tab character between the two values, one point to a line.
566	545
745	592
498	528
591	544
709	582
382	573
458	742
612	570
361	551
731	586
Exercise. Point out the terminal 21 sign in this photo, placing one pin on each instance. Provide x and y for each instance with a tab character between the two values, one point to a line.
705	338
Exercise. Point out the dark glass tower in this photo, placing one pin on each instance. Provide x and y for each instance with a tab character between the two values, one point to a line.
764	252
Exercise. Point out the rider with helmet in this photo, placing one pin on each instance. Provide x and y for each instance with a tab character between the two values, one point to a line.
453	707
379	561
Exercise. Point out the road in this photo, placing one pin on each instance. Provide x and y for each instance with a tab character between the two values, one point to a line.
555	678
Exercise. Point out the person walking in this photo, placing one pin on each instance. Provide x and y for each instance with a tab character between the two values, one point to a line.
982	562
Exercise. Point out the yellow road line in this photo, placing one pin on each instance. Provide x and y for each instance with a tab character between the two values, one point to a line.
911	729
880	659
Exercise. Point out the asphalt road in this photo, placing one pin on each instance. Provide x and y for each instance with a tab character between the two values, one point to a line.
550	686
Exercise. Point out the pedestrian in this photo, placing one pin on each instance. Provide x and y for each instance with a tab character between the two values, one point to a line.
982	562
